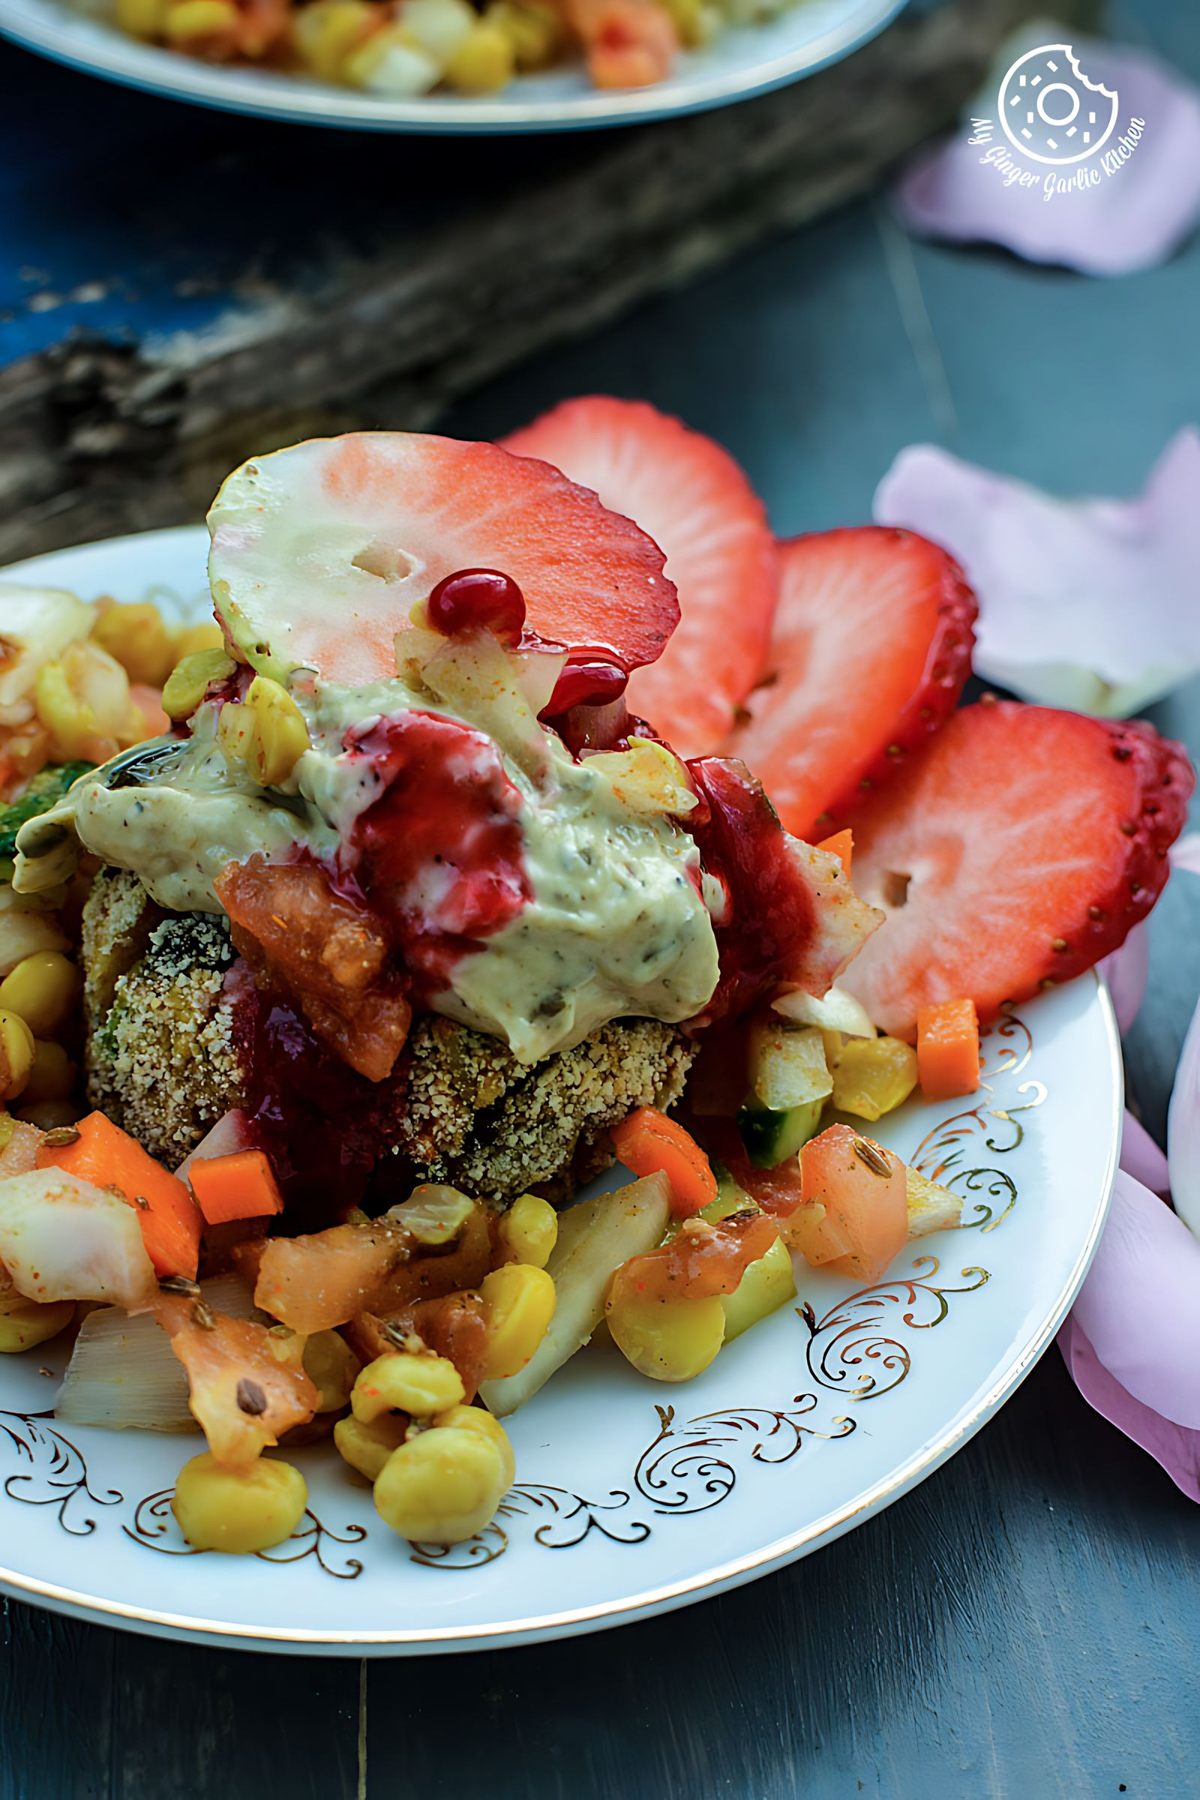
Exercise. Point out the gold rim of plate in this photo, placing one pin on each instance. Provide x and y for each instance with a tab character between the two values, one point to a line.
650	1600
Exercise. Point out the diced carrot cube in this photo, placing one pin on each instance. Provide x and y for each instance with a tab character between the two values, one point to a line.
109	1158
841	845
241	1185
948	1049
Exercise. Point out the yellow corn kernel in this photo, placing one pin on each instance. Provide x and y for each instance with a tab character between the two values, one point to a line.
142	18
195	639
16	1055
873	1075
669	1340
441	1486
52	1075
477	1418
24	1323
438	26
328	31
188	21
137	636
42	989
331	1366
695	21
518	1304
403	1381
534	30
528	1230
238	1510
485	61
188	681
367	1447
266	733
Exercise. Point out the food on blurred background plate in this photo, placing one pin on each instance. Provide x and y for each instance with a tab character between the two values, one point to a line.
344	940
401	49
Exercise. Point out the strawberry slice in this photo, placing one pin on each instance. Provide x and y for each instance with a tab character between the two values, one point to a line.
694	500
1015	851
871	646
319	552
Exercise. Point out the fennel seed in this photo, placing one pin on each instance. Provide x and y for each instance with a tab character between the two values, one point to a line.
875	1160
60	1137
180	1284
203	1316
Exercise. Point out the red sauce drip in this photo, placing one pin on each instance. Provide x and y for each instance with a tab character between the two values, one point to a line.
440	853
700	1261
770	911
323	1126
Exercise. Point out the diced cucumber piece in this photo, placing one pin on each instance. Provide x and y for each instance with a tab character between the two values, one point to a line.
787	1066
766	1285
771	1137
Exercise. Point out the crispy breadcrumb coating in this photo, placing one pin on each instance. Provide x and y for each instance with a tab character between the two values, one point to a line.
163	1063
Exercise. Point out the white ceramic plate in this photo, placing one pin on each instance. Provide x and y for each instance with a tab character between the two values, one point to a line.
631	1498
745	61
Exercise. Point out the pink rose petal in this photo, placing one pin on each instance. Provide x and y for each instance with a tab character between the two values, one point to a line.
1142	1158
1174	1446
1183	1131
1091	604
1125	971
1138	1306
1130	219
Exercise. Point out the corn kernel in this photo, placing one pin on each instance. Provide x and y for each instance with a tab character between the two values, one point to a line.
136	636
485	61
24	1323
534	30
669	1340
528	1230
16	1055
404	1382
238	1510
52	1075
188	681
328	31
518	1303
42	989
695	21
874	1075
189	21
195	639
266	733
331	1366
477	1418
367	1447
142	18
441	1486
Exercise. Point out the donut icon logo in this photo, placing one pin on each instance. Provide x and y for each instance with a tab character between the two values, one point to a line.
1049	109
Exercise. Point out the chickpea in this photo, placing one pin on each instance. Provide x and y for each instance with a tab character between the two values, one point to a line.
367	1447
42	989
404	1382
16	1054
477	1418
529	1231
518	1303
442	1486
238	1510
188	681
24	1323
331	1366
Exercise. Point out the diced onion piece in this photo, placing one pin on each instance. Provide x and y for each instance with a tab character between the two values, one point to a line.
63	1239
837	1011
123	1372
930	1206
594	1240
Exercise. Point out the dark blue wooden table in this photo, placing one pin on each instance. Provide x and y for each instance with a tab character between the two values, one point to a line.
1027	1623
